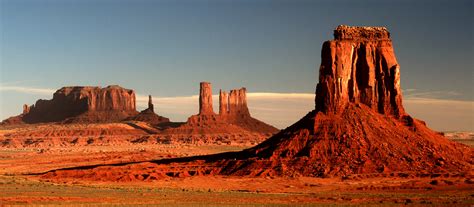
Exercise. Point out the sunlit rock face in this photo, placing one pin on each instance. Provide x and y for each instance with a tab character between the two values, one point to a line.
84	104
359	66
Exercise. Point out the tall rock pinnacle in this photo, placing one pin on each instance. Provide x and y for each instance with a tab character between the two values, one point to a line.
359	66
223	103
26	109
150	104
205	99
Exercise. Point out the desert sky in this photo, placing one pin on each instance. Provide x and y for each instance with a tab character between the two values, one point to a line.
165	48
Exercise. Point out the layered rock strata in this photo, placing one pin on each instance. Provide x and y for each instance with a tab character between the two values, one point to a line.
82	104
359	66
205	99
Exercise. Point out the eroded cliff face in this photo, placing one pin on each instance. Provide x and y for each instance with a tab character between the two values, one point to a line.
223	103
233	105
94	104
205	99
359	66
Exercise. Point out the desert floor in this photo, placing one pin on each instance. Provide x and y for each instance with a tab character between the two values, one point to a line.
18	186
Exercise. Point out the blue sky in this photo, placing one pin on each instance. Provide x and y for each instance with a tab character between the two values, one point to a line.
166	48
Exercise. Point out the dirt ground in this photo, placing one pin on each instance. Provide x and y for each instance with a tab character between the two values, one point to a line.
216	190
19	187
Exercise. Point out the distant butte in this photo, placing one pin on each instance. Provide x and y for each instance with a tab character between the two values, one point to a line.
83	104
233	116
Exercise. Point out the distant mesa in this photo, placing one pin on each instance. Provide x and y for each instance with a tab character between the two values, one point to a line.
359	125
81	104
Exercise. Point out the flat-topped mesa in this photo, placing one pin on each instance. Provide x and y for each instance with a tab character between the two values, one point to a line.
98	99
94	104
343	32
354	71
205	99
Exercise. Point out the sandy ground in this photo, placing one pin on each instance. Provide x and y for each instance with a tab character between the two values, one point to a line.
217	190
19	188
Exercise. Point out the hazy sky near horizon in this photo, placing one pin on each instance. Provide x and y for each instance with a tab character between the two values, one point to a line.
165	48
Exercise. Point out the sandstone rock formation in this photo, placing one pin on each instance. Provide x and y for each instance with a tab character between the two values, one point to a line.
359	66
83	104
150	104
205	99
233	116
148	115
26	109
238	103
223	103
358	126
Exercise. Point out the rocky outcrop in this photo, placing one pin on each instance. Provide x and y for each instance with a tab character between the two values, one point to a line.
359	124
26	109
148	115
234	116
84	104
233	104
223	103
150	104
359	66
238	103
205	99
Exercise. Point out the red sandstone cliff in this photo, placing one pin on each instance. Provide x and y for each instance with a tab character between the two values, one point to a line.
359	66
83	104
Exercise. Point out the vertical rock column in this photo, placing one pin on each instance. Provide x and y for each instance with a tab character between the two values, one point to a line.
238	102
205	99
150	104
26	109
223	103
